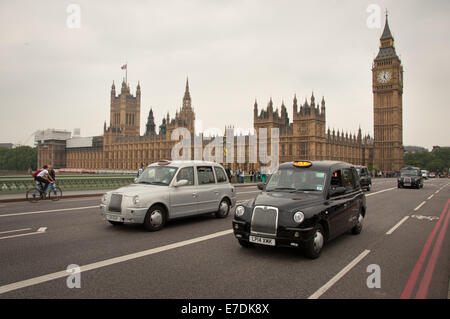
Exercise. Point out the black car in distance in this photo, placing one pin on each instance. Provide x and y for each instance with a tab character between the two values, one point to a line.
303	205
364	177
410	177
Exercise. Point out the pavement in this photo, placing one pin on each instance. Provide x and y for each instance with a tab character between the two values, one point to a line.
404	241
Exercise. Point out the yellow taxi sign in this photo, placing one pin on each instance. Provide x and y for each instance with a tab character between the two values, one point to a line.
163	162
302	163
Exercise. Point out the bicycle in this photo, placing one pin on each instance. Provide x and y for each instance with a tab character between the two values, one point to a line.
35	194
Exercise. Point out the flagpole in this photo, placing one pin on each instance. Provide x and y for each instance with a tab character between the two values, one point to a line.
126	73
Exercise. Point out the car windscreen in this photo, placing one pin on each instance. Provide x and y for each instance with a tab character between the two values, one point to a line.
297	180
409	172
157	175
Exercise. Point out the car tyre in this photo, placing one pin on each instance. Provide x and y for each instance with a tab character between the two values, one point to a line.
313	247
356	230
224	209
155	219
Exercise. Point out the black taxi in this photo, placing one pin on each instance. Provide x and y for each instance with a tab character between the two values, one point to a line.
303	205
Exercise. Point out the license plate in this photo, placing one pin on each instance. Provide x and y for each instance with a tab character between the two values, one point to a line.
262	240
114	218
407	184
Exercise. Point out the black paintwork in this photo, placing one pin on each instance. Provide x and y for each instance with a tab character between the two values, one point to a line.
416	180
336	213
364	177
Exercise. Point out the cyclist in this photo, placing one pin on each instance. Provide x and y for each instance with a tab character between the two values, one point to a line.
44	177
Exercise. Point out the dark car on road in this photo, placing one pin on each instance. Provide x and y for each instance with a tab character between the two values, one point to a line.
364	177
410	177
303	205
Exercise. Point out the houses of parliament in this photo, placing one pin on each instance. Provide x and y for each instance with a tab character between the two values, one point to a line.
121	147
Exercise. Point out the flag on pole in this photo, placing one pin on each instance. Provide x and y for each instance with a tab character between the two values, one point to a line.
124	67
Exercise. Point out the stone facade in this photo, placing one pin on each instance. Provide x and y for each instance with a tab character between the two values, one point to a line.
123	148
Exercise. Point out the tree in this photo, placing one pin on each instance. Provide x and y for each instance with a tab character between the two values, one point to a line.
20	158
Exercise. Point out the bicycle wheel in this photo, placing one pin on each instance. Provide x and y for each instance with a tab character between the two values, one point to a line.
55	194
33	195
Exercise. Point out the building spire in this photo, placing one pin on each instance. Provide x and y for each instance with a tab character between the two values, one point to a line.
386	32
187	95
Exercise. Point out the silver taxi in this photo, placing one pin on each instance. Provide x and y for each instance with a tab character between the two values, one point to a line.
168	190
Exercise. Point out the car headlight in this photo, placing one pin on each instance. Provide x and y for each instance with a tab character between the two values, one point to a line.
240	210
135	200
299	217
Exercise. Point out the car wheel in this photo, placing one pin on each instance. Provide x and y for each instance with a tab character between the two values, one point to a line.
245	243
224	209
313	247
358	227
155	218
115	223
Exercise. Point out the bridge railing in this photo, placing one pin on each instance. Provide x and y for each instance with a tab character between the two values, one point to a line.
10	185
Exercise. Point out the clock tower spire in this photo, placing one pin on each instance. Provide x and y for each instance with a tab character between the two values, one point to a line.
387	88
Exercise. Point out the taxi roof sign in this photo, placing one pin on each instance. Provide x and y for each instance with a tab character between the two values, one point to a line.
163	162
302	163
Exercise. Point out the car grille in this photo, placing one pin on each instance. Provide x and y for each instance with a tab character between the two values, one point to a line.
407	180
115	204
264	220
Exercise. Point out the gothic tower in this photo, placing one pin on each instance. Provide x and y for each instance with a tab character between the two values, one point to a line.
125	111
387	87
150	127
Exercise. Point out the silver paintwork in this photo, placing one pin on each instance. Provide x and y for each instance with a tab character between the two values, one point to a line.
180	201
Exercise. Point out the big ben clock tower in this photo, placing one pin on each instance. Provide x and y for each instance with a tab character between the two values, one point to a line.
387	87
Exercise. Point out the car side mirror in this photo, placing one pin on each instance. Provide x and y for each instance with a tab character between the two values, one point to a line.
261	186
181	182
336	191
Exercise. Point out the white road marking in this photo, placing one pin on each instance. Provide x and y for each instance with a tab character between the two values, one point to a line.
49	211
109	262
420	205
384	190
339	275
41	230
430	196
390	231
14	231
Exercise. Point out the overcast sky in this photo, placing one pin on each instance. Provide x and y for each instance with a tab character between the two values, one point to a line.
233	51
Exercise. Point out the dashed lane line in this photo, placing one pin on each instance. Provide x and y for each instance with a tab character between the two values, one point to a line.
390	231
420	205
339	275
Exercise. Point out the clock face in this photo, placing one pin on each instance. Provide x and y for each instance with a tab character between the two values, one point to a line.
384	76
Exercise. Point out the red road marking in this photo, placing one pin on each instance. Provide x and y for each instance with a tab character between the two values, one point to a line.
425	283
406	294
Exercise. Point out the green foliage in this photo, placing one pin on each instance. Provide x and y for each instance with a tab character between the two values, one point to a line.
19	159
436	161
